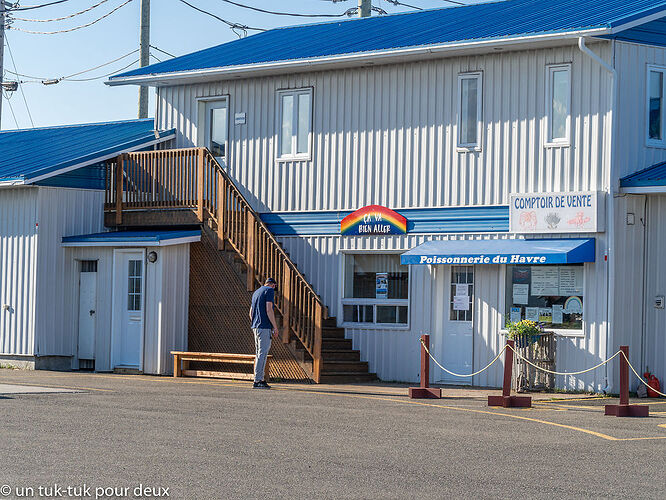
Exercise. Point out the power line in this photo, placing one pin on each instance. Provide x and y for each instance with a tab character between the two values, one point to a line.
11	108
76	27
60	18
292	14
25	101
31	7
69	77
232	25
162	51
103	76
396	3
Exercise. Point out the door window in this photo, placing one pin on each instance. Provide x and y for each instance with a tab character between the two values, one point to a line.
216	127
462	293
134	285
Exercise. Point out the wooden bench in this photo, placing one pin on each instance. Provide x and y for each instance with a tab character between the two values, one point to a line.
215	357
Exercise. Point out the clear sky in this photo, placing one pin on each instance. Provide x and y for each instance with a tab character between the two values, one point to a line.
175	28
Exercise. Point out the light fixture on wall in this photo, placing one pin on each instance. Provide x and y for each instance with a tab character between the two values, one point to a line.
152	256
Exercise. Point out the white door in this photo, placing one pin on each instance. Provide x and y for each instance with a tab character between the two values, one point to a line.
216	127
456	342
87	308
128	308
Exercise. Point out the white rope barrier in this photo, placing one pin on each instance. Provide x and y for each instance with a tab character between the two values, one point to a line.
641	378
458	374
519	356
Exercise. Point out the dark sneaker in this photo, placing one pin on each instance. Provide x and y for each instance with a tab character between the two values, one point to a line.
261	385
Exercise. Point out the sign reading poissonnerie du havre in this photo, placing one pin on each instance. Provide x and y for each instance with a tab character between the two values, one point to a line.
373	220
575	212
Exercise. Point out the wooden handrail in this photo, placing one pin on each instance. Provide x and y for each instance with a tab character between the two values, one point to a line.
193	179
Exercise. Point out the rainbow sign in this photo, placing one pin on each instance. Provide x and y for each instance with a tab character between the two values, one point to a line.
373	220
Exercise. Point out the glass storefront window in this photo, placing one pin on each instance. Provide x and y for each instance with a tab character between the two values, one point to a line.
376	290
551	295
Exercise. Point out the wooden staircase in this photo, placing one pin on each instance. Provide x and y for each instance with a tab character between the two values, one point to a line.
183	187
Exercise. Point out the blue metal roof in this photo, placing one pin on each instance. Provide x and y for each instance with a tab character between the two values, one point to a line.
649	177
507	19
133	238
43	152
555	251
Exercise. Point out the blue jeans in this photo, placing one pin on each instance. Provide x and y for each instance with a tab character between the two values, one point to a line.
262	344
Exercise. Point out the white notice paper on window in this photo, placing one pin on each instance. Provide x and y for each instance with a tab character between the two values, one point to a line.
532	314
521	293
558	314
545	280
462	290
460	303
571	280
515	314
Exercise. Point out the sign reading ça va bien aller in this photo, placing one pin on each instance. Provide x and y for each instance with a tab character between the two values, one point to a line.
573	212
373	220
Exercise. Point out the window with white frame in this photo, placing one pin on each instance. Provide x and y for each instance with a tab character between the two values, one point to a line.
215	122
376	290
558	104
470	99
294	124
655	106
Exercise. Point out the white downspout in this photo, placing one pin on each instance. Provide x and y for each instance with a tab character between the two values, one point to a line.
610	216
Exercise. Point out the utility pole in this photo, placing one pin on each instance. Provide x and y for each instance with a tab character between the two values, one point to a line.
2	51
364	7
144	46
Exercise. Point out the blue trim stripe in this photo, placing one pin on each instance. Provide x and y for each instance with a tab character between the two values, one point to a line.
115	237
419	220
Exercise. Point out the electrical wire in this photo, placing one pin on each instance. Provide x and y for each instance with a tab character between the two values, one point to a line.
11	108
60	18
232	25
396	3
103	76
31	7
76	27
162	51
69	77
155	57
292	14
25	101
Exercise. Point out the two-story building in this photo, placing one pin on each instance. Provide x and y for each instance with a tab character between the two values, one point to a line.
444	171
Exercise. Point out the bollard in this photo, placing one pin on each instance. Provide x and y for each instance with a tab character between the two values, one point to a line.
506	400
624	409
425	391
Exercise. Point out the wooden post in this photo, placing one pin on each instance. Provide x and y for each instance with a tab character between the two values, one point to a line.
316	348
624	409
286	302
119	188
200	184
506	400
251	230
221	209
176	366
424	391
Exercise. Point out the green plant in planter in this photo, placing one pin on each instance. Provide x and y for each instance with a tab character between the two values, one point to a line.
524	332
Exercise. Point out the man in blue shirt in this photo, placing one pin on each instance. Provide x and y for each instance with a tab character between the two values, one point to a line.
262	317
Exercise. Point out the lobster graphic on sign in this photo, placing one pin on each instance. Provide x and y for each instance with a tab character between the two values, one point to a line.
528	220
579	220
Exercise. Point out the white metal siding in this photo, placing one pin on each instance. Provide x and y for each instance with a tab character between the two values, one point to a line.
18	256
60	212
167	300
394	354
654	356
387	134
631	61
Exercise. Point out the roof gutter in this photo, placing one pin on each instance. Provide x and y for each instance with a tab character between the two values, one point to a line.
358	58
610	275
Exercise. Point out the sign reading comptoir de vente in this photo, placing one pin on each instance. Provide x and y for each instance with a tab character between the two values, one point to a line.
575	212
373	220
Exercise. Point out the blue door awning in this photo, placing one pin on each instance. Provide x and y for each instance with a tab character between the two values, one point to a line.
555	251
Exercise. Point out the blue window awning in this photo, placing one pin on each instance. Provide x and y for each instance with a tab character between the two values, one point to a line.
555	251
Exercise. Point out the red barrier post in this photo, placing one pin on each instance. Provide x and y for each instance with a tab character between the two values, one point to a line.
624	409
425	391
506	400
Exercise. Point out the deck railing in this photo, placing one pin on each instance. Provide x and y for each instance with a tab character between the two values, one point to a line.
193	179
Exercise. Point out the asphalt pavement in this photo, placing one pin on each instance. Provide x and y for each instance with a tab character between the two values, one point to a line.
213	439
